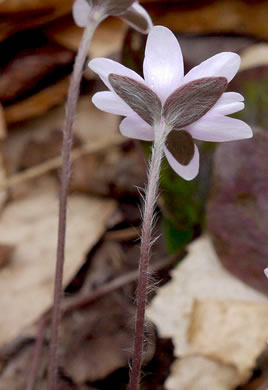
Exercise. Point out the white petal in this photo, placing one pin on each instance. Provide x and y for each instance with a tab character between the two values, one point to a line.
163	62
187	172
109	102
81	11
138	18
104	67
224	64
266	272
219	128
135	127
229	103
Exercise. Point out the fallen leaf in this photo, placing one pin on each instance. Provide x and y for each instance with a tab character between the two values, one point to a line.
237	215
17	15
91	125
29	67
6	252
201	373
201	276
218	332
39	103
30	224
115	172
255	55
98	340
38	150
10	6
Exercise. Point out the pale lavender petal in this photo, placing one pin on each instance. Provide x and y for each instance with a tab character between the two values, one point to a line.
138	18
229	103
135	127
266	272
109	102
163	62
224	64
104	67
219	128
81	11
187	172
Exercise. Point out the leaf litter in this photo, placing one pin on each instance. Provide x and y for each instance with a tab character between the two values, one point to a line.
204	309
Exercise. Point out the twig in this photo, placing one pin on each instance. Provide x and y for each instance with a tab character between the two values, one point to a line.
54	163
84	300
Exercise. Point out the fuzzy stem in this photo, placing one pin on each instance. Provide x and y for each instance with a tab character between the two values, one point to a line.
145	249
73	94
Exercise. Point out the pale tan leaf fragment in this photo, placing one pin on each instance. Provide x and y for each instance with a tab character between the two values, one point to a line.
200	373
30	224
231	332
201	276
255	55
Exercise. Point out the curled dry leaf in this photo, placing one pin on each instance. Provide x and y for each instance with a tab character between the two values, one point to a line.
25	14
14	6
38	103
29	67
30	224
201	276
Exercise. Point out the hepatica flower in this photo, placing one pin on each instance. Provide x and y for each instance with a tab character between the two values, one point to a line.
128	10
189	107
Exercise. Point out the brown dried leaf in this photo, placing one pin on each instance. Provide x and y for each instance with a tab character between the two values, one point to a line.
6	252
10	6
113	172
30	224
17	15
29	67
38	103
98	340
37	151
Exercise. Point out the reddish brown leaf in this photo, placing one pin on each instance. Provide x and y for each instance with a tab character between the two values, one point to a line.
237	211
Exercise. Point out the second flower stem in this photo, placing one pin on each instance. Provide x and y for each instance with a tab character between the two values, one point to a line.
71	106
151	195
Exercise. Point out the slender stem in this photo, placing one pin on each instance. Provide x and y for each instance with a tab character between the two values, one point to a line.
72	99
37	351
146	243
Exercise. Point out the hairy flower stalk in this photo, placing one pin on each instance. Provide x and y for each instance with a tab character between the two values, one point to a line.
71	105
171	109
151	195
